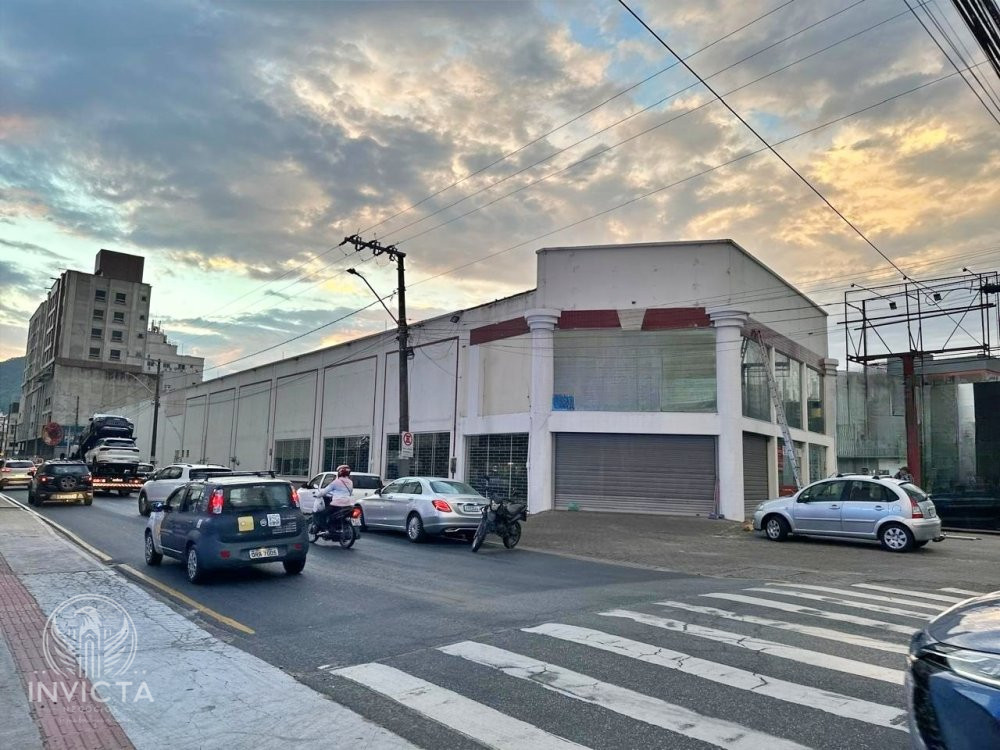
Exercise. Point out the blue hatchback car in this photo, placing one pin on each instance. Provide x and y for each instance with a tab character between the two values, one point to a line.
953	680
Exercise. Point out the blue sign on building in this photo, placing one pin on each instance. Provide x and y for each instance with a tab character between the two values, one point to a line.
563	402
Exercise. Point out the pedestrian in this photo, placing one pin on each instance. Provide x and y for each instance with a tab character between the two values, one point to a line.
904	474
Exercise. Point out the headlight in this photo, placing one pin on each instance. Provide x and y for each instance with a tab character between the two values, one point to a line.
974	665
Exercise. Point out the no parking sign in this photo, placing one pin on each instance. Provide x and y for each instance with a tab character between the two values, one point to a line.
406	445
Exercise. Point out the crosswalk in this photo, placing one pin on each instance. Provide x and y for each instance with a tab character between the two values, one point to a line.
766	667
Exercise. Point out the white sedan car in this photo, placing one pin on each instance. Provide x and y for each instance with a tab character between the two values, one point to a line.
112	451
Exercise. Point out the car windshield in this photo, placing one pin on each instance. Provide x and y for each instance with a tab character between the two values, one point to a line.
19	464
362	482
60	469
271	496
914	492
202	473
451	487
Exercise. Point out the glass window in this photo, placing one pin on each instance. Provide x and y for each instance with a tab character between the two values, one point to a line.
814	401
412	488
869	492
100	295
175	497
817	462
914	492
191	497
431	454
212	472
498	464
119	298
291	457
786	479
394	487
271	496
116	354
349	449
95	353
756	392
452	487
643	371
96	333
788	374
117	336
365	481
171	472
98	314
119	317
825	492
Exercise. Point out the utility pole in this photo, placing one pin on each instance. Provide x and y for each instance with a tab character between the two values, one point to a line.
403	331
156	414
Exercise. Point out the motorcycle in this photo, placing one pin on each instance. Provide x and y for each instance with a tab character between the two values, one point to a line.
501	517
342	526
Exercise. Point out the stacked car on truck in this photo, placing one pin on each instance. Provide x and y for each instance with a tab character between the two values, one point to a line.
107	446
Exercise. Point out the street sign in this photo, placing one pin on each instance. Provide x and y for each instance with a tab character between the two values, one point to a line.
406	445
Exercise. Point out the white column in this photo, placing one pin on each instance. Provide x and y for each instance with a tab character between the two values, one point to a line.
830	411
729	403
541	322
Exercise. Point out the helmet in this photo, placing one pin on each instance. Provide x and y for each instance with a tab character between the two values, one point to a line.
343	470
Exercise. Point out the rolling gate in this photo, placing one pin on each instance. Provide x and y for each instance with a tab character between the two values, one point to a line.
756	487
672	474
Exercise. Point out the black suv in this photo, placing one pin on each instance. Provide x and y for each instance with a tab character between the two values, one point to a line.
62	481
229	521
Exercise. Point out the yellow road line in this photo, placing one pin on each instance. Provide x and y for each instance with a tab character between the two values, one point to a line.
187	600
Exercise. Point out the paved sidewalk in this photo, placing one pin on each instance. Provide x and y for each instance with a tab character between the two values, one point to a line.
184	687
702	546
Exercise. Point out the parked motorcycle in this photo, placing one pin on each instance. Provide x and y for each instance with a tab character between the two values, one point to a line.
501	517
342	526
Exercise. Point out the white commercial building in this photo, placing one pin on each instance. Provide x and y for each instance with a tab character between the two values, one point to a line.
625	381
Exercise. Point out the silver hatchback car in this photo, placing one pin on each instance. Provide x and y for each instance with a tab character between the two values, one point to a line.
424	505
895	512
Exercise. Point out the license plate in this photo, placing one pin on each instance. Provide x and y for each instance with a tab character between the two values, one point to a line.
256	554
355	522
67	496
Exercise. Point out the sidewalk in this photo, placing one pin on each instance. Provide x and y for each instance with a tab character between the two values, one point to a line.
157	678
702	546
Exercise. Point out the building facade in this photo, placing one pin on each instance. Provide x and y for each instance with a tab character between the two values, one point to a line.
627	380
89	347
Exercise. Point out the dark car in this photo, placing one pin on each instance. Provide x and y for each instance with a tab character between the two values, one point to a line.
229	521
953	680
63	481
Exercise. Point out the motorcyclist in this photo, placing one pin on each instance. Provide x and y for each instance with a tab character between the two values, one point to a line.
337	494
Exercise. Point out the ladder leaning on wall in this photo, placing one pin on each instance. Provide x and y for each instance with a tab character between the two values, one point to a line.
779	409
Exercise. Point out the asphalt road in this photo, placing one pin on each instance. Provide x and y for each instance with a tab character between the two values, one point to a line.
430	641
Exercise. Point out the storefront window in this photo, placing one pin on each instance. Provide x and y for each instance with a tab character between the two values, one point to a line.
817	462
498	463
645	371
431	455
788	374
814	401
786	477
291	457
350	449
756	398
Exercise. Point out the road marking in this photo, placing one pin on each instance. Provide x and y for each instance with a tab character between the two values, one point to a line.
790	692
800	609
833	635
759	645
475	720
963	591
844	602
187	600
645	708
936	597
102	556
862	595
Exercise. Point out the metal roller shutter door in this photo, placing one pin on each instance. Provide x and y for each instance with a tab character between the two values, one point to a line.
755	480
635	473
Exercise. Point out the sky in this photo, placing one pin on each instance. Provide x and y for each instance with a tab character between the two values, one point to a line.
234	144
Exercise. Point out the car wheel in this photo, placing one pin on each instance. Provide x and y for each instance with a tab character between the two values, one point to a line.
294	567
194	572
776	528
143	504
152	556
31	497
89	500
896	538
415	528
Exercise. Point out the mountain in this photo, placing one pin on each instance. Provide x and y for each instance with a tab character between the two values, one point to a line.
11	372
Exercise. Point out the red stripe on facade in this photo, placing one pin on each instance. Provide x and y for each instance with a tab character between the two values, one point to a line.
505	329
660	319
589	319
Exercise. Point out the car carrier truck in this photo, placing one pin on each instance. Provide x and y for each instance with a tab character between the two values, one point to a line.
121	476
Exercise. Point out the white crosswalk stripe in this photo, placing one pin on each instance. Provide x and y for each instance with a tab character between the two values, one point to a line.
794	653
963	591
909	592
862	595
645	708
790	692
828	633
813	612
843	602
482	723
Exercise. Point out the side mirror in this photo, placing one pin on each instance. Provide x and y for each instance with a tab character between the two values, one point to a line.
159	507
379	490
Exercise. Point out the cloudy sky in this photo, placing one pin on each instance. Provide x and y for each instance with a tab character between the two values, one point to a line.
234	144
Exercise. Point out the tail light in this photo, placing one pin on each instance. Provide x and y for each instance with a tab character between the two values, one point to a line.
295	497
915	511
215	502
441	505
43	479
5	470
356	513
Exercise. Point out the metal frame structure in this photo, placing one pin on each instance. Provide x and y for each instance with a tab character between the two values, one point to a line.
910	303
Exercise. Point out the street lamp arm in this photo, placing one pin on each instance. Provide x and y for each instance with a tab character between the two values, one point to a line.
381	301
